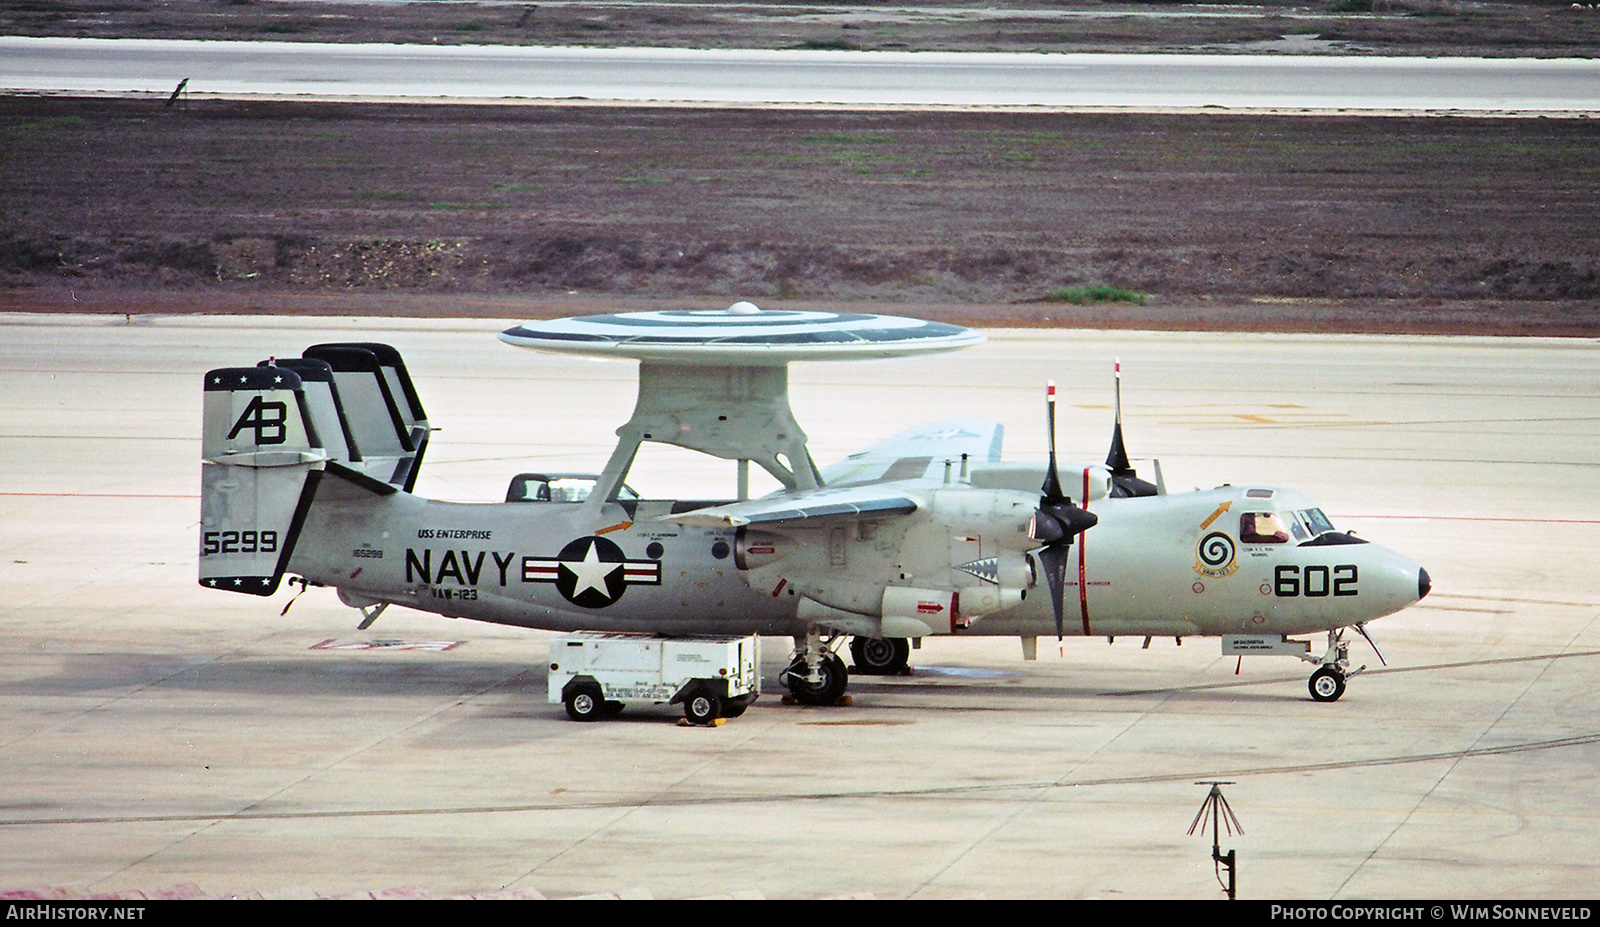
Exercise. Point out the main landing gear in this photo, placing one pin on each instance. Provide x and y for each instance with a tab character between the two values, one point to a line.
816	675
877	656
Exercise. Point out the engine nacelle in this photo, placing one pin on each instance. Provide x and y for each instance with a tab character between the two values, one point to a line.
977	601
916	611
923	576
753	550
1027	478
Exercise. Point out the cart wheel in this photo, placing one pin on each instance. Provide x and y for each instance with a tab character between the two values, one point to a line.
585	703
701	707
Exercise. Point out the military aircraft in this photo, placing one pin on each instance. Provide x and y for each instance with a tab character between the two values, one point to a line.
309	465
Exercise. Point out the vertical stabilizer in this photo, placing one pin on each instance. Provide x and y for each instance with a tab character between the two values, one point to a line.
383	418
320	394
261	457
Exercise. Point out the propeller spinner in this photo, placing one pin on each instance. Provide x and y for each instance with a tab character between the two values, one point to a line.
1056	522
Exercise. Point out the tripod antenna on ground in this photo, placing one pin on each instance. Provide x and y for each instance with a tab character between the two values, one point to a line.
1221	816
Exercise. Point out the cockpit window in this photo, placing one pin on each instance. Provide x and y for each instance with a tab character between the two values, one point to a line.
1262	528
566	490
558	487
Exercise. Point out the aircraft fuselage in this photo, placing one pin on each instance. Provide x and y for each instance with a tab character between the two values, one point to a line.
1171	565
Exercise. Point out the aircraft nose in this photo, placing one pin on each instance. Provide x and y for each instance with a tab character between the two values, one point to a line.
1424	583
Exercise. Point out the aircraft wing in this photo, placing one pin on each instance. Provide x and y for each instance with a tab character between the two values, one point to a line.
799	506
920	452
876	481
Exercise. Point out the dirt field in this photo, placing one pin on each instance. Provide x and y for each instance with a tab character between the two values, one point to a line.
1526	28
1212	221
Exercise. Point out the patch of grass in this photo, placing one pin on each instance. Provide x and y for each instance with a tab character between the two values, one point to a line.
447	204
1094	295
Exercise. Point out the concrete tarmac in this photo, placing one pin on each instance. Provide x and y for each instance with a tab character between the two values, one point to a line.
161	740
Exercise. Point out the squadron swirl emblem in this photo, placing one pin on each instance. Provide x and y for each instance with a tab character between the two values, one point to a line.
1215	555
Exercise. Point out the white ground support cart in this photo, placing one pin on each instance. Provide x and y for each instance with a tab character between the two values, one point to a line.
594	673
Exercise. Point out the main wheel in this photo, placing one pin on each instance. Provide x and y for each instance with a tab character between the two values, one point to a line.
828	690
585	702
702	707
880	656
1327	684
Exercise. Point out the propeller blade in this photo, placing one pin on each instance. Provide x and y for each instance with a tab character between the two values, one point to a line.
1117	460
1052	480
1054	560
1056	522
1125	480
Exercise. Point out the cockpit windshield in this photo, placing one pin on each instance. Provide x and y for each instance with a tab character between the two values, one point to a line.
1314	521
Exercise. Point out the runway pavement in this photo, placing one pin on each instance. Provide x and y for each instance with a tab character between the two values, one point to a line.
159	739
799	77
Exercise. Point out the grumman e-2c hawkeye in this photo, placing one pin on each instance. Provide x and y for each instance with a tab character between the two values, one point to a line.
309	465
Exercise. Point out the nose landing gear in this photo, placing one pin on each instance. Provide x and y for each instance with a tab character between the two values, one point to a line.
1327	683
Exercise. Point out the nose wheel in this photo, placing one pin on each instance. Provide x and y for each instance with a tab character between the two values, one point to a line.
1327	684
